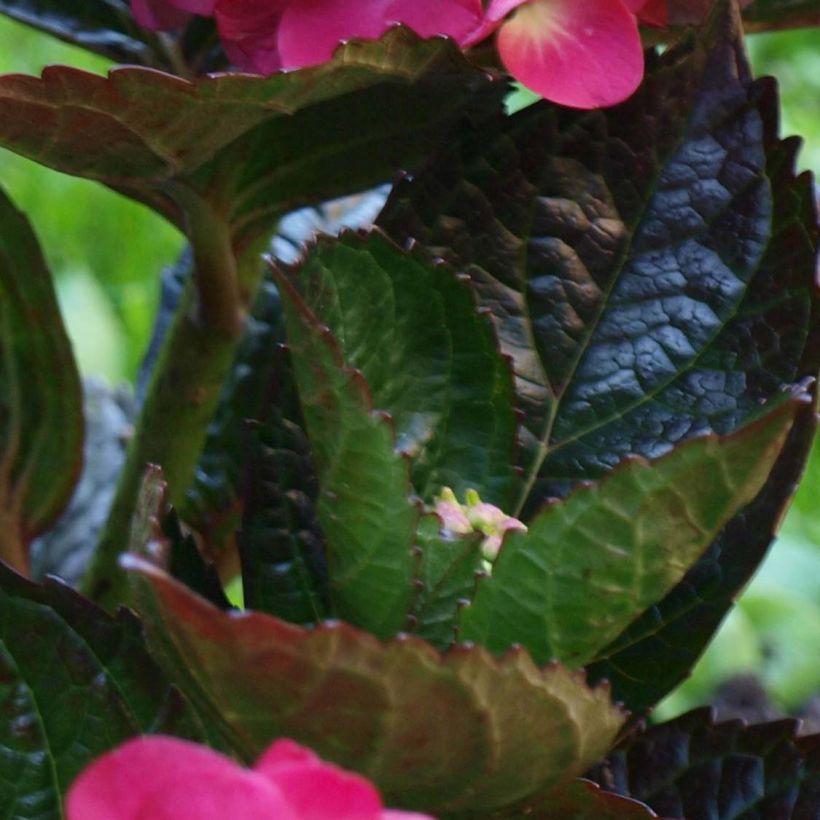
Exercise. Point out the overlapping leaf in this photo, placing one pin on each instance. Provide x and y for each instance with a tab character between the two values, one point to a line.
41	406
449	566
592	562
651	270
692	767
76	682
476	733
252	145
429	359
778	337
281	545
365	508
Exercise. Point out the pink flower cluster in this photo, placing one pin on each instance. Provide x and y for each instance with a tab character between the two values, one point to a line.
582	53
163	778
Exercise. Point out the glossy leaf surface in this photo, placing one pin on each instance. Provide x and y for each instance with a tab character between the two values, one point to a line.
780	336
41	406
692	767
650	269
429	359
256	146
477	732
592	562
76	682
365	507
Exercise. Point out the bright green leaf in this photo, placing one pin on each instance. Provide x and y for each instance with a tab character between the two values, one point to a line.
365	509
594	561
75	683
410	326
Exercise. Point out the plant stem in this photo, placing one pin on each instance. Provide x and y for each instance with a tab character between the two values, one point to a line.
196	357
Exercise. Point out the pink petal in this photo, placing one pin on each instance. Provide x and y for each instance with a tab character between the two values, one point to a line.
315	789
128	776
238	794
249	30
311	30
580	53
322	791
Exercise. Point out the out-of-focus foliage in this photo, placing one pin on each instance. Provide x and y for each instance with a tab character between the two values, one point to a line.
109	297
794	58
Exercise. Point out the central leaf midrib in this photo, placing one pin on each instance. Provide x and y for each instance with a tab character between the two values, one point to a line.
547	448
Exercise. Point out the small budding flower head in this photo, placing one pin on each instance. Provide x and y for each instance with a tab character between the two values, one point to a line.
476	515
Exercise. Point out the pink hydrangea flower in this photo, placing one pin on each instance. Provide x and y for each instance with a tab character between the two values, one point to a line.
164	778
476	515
582	53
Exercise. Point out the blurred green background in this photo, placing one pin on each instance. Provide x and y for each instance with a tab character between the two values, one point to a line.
106	253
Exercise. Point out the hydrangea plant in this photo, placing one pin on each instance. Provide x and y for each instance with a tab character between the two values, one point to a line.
489	471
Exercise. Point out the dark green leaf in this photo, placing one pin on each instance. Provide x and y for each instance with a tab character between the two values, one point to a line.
691	767
428	358
778	333
364	507
448	568
41	404
75	683
660	256
591	563
106	27
619	244
156	534
256	146
477	733
281	545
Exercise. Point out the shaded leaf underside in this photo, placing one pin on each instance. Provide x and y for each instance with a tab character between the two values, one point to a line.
365	508
692	767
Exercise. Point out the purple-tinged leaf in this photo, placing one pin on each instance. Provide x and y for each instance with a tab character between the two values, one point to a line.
449	566
477	732
691	767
